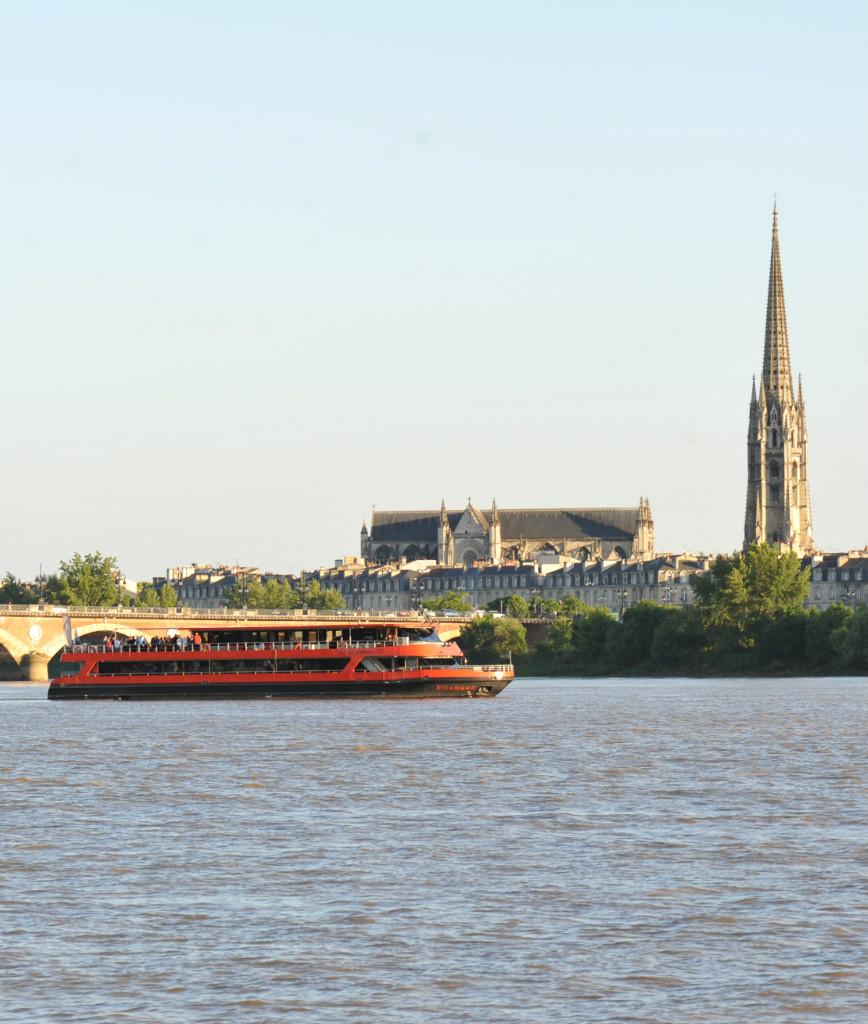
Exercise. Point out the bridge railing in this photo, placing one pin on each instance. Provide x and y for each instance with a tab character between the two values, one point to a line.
115	612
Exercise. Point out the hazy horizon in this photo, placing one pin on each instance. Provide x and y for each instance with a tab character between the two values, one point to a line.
262	269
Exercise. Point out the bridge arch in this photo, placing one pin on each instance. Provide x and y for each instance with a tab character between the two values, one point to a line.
89	630
13	646
10	666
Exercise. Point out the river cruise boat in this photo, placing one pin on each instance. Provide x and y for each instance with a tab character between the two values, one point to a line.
337	659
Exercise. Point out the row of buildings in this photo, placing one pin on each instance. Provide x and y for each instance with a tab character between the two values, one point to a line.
613	583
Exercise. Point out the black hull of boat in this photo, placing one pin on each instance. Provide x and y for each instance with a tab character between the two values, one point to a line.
409	688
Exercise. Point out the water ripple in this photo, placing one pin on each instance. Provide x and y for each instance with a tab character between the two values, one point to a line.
645	851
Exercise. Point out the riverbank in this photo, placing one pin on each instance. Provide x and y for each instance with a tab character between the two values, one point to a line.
652	640
533	669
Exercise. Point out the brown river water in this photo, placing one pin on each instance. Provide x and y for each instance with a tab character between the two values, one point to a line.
666	850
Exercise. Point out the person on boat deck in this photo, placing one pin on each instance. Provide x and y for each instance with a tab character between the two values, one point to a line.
197	640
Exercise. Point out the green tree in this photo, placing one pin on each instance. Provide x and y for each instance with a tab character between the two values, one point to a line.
168	596
518	607
323	598
632	642
572	606
679	641
330	599
91	579
781	642
282	596
450	601
254	594
510	638
744	590
148	596
820	649
238	595
559	639
851	640
314	595
478	638
15	591
590	633
274	595
487	639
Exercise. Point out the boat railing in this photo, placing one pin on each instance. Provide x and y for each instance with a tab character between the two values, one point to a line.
269	646
360	677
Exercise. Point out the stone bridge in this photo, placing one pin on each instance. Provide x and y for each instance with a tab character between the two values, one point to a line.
32	635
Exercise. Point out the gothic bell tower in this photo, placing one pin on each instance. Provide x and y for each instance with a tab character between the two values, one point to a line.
778	508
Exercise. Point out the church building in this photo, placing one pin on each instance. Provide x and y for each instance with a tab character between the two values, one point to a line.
471	536
778	499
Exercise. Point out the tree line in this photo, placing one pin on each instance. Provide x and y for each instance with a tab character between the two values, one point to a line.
94	579
90	579
748	618
282	595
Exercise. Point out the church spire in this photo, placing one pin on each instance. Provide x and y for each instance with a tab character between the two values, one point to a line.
778	508
777	376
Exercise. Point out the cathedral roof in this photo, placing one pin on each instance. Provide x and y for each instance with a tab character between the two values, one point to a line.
397	527
569	523
524	523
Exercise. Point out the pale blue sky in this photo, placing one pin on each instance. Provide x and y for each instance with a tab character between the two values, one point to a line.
264	265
